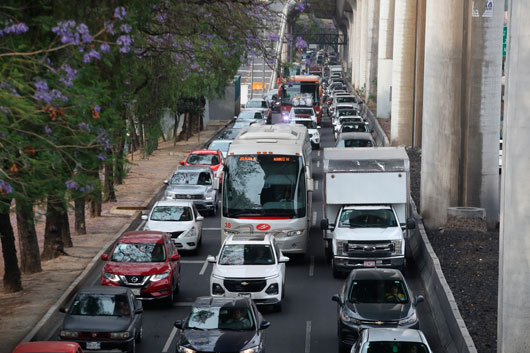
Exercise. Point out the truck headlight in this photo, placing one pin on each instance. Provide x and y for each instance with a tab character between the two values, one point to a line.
398	246
209	198
119	335
340	245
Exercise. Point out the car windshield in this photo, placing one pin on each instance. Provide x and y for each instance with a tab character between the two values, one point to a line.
221	318
229	134
256	104
394	347
341	112
377	218
350	120
310	124
221	145
139	252
303	111
88	304
239	124
171	214
346	99
354	128
250	114
378	291
246	254
203	159
355	143
191	178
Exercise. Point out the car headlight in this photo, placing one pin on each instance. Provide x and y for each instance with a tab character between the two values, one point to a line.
409	320
159	276
398	246
182	349
344	317
119	335
209	197
293	233
170	195
341	244
69	334
111	276
189	233
255	349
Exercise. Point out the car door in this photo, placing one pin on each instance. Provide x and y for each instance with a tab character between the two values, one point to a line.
171	249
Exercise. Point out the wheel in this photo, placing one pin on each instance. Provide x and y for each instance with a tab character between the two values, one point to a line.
140	335
328	255
132	347
177	287
336	272
283	290
277	307
213	212
171	297
344	348
199	242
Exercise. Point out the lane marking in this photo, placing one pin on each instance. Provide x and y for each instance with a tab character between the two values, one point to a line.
307	337
312	266
203	269
191	261
314	222
169	340
318	164
318	153
316	185
211	229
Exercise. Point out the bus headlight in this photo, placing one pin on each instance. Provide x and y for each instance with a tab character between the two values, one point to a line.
294	233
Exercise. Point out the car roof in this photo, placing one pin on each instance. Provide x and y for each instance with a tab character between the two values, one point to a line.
249	238
222	301
394	334
173	203
111	290
46	346
193	168
142	236
376	273
356	135
203	151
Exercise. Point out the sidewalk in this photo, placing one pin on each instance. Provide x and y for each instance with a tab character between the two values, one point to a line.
20	312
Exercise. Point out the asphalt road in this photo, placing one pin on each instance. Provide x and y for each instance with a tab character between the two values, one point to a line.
308	321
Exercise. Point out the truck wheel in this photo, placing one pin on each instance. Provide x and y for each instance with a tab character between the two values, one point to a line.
336	272
328	255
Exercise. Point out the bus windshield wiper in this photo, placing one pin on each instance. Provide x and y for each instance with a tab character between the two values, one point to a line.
247	213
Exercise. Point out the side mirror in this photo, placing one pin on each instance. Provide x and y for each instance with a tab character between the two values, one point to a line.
63	310
216	183
166	181
319	127
179	324
419	299
144	217
283	259
104	257
264	325
200	218
139	310
181	162
336	298
411	223
324	224
211	259
175	257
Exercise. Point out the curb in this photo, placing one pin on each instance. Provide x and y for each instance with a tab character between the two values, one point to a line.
47	321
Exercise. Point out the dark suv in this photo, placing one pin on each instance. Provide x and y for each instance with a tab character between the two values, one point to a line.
374	298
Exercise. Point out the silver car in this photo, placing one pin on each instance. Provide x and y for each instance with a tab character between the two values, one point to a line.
391	340
355	139
194	183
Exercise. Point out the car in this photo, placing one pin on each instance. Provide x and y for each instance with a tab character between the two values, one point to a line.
272	97
48	347
341	109
347	119
220	145
312	129
252	114
391	340
194	183
302	112
147	262
374	297
241	123
228	134
351	127
343	98
222	325
261	105
249	264
212	159
355	139
101	317
180	220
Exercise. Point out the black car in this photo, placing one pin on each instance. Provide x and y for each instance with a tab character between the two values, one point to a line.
102	317
374	298
222	325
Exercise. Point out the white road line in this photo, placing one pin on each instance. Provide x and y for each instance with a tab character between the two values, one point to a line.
318	153
316	185
191	261
307	337
141	225
211	229
203	269
318	164
169	340
312	267
314	222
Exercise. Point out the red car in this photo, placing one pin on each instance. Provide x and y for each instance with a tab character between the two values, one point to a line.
212	159
145	261
48	346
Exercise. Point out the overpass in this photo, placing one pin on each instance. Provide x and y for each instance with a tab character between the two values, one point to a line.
435	68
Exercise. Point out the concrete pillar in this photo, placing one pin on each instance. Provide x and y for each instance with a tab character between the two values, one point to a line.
420	59
372	46
403	72
363	47
514	264
482	104
384	57
351	46
357	44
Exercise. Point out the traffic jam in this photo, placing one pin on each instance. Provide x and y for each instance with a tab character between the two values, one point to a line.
254	185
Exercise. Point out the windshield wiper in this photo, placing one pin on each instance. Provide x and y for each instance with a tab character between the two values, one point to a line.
246	213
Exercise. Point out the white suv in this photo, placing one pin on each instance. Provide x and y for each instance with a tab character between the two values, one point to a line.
249	265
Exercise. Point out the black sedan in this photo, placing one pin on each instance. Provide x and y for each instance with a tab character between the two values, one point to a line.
374	298
104	317
222	325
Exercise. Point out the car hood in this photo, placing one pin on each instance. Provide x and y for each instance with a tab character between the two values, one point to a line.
381	311
168	226
218	340
188	189
136	268
368	234
96	323
248	271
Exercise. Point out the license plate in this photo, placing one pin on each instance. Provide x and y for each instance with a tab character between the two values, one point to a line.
93	345
136	291
369	264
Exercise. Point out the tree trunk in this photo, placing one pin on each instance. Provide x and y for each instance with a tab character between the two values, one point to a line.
119	161
79	215
53	237
95	198
27	238
184	134
176	128
109	193
134	136
65	226
12	278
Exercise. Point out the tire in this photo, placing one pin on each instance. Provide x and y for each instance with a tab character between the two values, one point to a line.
140	335
336	272
177	287
131	348
344	348
328	255
213	212
171	298
277	308
283	290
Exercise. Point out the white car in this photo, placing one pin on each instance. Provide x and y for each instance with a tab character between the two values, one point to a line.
302	112
180	219
251	265
347	119
312	129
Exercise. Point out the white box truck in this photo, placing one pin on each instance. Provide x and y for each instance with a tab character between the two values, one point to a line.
366	198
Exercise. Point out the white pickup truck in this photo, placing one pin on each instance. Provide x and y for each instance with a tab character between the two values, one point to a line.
366	195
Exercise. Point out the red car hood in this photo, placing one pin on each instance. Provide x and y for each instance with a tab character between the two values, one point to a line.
136	268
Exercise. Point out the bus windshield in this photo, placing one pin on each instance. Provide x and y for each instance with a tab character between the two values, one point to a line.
296	90
264	185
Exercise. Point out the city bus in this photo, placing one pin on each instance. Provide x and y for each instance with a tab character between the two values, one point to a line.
297	86
268	185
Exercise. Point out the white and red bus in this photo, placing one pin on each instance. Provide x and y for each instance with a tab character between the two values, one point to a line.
298	86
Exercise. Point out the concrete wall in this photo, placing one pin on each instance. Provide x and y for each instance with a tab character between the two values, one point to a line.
384	54
372	48
223	108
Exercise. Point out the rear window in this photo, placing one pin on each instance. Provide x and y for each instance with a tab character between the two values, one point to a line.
203	159
394	347
87	304
355	143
